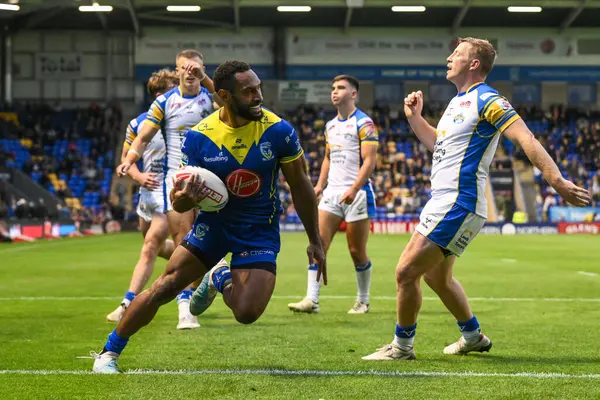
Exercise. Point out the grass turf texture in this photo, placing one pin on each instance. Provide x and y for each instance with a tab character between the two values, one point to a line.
530	336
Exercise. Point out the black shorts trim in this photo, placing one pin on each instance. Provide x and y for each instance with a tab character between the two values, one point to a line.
447	253
264	265
200	255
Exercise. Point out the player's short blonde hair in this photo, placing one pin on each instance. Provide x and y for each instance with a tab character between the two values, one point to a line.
189	54
160	81
482	50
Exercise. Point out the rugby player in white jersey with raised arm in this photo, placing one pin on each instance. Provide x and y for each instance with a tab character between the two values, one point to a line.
350	158
463	146
174	113
153	221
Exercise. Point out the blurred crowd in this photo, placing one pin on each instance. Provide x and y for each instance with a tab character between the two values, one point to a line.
71	153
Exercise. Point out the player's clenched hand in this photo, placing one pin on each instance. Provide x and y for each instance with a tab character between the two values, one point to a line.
123	169
317	255
572	193
148	180
413	104
349	196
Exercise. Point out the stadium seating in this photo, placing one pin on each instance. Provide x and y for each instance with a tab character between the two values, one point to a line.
69	152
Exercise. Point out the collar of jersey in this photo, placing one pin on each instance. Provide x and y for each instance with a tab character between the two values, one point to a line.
350	116
471	88
185	96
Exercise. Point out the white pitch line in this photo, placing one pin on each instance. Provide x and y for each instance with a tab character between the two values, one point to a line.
584	273
19	248
285	372
343	297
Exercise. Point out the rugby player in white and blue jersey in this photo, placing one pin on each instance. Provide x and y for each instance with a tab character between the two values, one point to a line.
350	158
173	114
463	147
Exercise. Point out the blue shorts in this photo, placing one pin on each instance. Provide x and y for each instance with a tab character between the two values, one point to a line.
248	243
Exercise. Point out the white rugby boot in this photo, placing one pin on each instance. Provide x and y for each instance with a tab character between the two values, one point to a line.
461	347
359	308
105	363
305	305
391	352
116	315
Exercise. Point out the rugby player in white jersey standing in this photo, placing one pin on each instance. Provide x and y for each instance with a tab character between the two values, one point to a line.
153	221
463	147
347	194
174	113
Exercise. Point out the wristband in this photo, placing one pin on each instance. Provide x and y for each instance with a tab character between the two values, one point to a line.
134	152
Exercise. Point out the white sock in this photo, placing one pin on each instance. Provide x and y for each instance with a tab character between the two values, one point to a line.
472	337
363	281
184	308
313	288
125	303
404	343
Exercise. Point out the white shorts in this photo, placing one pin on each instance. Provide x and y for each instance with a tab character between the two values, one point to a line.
449	225
363	206
150	203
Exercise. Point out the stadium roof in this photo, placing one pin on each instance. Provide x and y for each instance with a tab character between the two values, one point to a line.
233	14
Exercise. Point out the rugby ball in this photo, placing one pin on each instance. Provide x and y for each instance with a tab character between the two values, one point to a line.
215	193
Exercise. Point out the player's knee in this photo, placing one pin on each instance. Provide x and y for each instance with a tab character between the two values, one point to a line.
406	273
151	246
247	317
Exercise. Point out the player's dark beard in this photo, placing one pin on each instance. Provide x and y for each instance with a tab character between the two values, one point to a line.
243	110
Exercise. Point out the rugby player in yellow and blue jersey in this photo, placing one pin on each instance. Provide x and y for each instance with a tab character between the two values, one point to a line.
246	146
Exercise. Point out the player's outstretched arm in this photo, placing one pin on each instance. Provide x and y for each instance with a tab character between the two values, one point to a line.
413	107
519	134
305	202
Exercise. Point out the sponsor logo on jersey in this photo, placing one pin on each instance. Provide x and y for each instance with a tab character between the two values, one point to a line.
486	96
464	239
218	158
175	105
257	253
465	104
265	150
243	182
459	119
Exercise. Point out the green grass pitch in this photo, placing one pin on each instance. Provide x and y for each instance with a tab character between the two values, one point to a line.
536	297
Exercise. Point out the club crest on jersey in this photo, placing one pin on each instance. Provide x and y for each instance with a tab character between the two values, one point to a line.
459	119
200	231
243	183
265	150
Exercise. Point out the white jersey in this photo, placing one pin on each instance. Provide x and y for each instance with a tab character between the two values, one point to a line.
153	158
343	140
175	114
467	138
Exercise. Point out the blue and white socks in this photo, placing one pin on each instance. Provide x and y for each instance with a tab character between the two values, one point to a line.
470	330
129	296
222	278
405	336
313	287
363	281
115	343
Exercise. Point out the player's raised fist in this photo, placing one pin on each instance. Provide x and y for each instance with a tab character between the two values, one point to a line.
413	104
194	68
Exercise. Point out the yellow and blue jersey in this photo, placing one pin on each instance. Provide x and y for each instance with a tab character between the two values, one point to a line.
248	160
